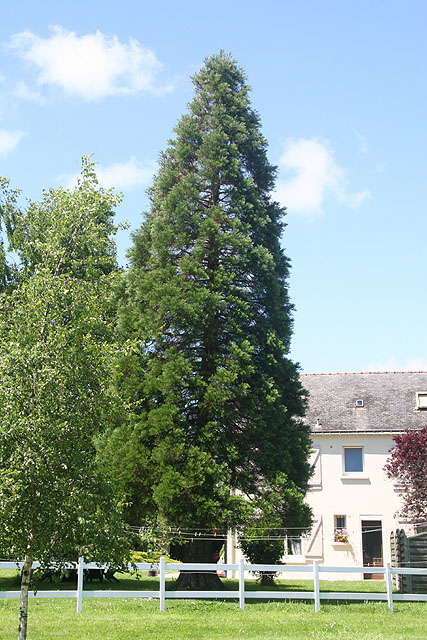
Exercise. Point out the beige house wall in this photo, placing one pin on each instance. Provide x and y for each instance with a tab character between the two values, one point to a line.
368	495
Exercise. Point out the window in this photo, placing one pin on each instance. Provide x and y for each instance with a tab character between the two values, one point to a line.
353	459
422	400
340	529
293	546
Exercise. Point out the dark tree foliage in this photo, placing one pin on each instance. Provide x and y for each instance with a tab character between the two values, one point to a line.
407	465
217	401
281	505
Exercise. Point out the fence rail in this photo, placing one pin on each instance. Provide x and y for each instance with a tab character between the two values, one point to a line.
314	571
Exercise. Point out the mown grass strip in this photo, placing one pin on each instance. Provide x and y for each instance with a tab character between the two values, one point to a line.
209	620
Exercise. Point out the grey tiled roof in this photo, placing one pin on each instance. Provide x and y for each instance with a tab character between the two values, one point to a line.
389	401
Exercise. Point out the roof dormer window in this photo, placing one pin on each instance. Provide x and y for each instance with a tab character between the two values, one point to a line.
422	400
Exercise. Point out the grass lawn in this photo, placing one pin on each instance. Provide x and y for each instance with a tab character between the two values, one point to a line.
208	620
134	619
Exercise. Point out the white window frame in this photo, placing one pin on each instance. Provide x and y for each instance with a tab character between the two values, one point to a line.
294	557
353	474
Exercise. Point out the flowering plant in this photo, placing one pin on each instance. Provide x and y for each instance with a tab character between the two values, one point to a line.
340	535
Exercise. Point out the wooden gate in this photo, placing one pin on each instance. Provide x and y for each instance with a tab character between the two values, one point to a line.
409	552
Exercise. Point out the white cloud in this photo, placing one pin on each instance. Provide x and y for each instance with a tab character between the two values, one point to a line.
23	91
381	167
9	140
391	364
92	65
315	175
362	143
125	175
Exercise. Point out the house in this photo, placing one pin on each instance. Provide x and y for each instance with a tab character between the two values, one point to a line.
353	418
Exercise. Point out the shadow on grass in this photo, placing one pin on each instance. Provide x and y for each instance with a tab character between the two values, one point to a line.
10	581
351	586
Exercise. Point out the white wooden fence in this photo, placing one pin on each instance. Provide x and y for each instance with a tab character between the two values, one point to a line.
313	572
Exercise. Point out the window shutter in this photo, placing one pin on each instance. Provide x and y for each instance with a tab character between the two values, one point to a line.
314	544
314	462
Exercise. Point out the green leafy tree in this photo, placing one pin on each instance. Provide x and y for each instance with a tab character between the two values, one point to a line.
67	232
56	362
262	534
217	401
8	200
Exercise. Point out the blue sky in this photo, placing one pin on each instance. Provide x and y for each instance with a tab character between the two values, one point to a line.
342	92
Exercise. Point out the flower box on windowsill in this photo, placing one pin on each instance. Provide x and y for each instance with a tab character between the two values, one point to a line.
341	536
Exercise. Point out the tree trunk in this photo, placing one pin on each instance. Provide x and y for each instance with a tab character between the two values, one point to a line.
266	578
198	550
23	603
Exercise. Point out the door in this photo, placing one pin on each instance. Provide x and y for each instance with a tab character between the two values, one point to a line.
372	547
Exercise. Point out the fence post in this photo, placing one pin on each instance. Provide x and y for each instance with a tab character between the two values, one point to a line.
389	587
407	579
80	578
162	585
316	586
242	584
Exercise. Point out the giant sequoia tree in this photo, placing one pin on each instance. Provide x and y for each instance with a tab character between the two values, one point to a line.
217	401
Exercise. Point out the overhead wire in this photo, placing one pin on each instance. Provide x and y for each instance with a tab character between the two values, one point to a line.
223	535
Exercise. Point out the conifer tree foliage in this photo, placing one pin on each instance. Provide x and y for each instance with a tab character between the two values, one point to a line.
218	402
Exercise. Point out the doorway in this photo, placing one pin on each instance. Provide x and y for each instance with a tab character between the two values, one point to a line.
372	547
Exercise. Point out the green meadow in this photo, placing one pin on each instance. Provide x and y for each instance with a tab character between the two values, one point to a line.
138	619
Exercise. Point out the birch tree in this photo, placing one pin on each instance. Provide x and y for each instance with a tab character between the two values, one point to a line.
56	360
